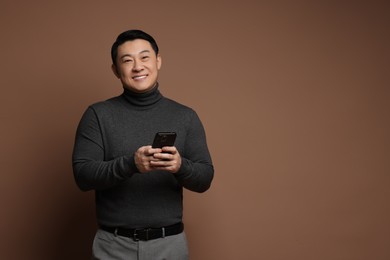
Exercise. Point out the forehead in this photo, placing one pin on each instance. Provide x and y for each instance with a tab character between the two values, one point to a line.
134	47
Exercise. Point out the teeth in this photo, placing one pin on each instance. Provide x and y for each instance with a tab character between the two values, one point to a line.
139	77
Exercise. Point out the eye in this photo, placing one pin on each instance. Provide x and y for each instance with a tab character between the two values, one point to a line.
144	58
127	60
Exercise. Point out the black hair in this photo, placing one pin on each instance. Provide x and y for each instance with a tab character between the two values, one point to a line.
131	35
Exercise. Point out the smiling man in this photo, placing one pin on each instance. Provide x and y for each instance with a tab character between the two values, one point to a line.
139	188
137	65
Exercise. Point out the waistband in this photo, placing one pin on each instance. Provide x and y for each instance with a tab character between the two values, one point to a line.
146	234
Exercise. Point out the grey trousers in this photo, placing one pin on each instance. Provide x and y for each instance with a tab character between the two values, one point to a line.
107	246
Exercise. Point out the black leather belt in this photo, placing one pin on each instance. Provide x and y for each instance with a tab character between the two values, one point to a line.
146	234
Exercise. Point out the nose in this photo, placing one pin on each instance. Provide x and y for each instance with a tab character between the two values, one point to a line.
137	65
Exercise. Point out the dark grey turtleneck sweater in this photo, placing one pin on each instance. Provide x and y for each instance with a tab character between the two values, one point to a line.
107	137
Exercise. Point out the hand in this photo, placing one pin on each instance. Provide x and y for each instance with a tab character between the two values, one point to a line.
144	156
168	159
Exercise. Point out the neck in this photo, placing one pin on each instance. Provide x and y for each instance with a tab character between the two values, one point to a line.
144	99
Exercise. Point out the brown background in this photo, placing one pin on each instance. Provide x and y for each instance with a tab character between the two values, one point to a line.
294	97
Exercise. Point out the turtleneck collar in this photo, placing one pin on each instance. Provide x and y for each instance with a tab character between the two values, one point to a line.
143	100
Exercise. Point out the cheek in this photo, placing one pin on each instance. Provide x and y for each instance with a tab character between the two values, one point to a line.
156	68
125	74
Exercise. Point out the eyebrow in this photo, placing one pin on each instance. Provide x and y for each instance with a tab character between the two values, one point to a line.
129	55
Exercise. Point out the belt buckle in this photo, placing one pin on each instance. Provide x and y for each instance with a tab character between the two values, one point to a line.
147	233
135	234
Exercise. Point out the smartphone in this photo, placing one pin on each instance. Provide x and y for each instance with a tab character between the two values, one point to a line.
162	139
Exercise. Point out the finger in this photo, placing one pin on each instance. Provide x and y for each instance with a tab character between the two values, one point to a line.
169	149
151	151
160	163
163	156
148	150
170	168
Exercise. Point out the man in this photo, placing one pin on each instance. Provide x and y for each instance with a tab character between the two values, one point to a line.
138	188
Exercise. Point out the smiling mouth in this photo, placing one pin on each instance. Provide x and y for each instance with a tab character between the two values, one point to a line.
140	77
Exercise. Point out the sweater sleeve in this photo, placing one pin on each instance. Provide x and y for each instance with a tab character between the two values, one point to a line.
196	172
90	169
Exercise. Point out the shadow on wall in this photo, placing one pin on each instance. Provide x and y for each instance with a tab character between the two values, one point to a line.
74	236
58	219
72	217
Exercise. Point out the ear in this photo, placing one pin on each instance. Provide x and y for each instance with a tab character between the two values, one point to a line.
115	70
159	61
